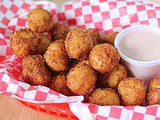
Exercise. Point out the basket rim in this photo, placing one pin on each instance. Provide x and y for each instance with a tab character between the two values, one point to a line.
61	110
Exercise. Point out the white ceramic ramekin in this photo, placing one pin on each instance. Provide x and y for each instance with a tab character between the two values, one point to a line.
144	70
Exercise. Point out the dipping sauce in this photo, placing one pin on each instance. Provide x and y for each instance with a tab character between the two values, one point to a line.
141	46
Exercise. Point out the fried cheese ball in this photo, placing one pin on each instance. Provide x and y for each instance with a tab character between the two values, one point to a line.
131	91
94	34
40	20
153	92
153	96
34	71
81	79
59	31
56	56
155	83
23	42
78	44
112	78
104	97
59	84
103	57
26	42
118	73
109	38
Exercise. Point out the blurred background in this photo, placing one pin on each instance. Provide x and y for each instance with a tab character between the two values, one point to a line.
57	1
62	1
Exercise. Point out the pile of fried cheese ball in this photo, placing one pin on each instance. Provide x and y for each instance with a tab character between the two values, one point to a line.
77	62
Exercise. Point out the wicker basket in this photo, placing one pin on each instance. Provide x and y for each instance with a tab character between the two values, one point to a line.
56	109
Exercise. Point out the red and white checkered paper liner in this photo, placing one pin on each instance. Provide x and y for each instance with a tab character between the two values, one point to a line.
105	16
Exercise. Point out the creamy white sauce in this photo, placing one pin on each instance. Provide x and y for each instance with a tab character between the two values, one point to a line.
141	45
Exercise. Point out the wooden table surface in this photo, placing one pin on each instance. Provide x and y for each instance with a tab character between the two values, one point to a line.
11	109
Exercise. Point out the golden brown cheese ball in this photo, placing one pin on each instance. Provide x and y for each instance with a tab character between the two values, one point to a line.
26	42
81	79
153	92
109	38
78	44
34	71
23	42
56	56
40	20
153	96
59	84
155	83
131	91
118	73
94	34
104	97
103	57
112	78
59	31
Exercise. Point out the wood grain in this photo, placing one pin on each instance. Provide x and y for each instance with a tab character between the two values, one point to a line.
11	109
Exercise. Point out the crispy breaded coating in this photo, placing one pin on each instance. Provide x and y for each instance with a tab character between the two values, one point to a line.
78	44
86	61
23	42
103	57
34	71
153	92
75	62
131	91
59	31
56	56
40	20
59	84
94	34
153	96
112	78
26	42
118	73
81	79
155	83
104	97
109	38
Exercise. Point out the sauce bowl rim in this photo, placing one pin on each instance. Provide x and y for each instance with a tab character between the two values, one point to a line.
130	29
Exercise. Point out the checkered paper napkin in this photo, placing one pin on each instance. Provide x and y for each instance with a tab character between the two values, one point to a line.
104	15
